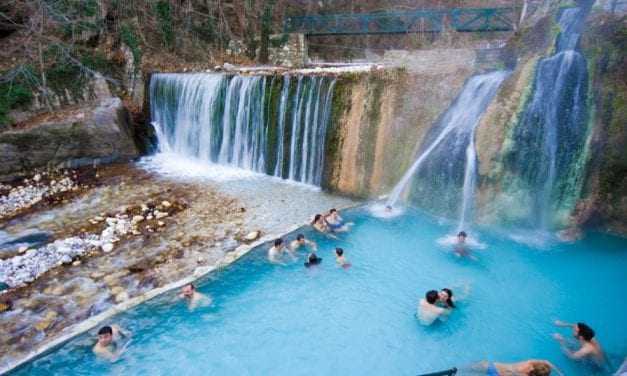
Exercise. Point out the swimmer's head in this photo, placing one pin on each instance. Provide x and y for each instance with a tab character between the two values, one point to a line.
446	296
312	258
188	290
339	251
431	296
105	335
461	236
317	218
540	369
300	238
584	332
388	208
278	242
333	210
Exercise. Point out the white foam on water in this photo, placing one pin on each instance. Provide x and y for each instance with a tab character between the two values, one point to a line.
185	168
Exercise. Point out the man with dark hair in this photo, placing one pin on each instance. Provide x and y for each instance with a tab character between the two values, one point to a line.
589	347
108	342
193	297
300	242
428	311
276	251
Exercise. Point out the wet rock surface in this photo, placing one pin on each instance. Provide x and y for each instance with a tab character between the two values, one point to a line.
126	233
92	134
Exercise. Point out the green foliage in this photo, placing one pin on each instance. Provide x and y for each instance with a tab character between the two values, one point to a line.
13	95
164	17
280	41
129	37
206	31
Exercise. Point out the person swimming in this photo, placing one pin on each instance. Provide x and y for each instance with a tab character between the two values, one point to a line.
109	338
194	298
312	260
335	223
428	311
532	367
276	251
589	347
300	241
340	259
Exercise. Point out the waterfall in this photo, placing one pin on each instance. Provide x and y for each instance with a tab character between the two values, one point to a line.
234	120
550	137
446	163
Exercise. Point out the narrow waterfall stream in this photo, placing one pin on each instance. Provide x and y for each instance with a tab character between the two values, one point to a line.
446	164
548	142
236	121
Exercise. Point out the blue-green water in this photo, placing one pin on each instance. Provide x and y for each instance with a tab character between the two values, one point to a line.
288	320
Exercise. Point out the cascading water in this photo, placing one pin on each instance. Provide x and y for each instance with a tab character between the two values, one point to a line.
548	142
446	165
234	121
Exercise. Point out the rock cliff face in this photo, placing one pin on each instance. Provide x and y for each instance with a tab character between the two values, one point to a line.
93	134
381	118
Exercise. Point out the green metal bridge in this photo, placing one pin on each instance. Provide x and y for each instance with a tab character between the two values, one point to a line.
417	21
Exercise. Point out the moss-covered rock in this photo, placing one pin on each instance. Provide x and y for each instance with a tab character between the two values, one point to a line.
604	203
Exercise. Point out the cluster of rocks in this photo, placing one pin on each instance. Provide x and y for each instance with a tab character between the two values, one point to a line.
25	268
28	266
33	191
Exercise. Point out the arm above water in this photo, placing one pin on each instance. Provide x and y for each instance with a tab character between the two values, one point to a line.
123	332
564	324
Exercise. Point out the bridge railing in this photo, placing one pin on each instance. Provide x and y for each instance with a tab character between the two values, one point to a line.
460	19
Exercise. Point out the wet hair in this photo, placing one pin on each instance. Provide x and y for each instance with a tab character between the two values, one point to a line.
191	285
105	330
312	259
462	233
431	296
339	251
332	210
278	242
316	218
449	301
300	237
585	332
540	369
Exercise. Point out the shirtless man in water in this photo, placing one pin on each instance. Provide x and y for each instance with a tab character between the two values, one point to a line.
194	298
429	311
108	342
589	347
532	367
300	242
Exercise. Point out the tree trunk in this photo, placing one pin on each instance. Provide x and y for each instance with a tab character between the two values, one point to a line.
266	26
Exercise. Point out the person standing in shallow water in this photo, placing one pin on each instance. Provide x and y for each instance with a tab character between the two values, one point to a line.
276	251
589	347
340	259
193	297
300	241
461	248
109	338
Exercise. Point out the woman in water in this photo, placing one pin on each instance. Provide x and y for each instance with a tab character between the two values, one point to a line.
320	225
532	367
445	298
